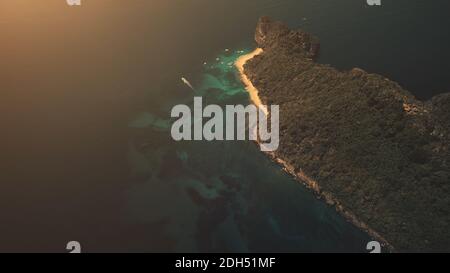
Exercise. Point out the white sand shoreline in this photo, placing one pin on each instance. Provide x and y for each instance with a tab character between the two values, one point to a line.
253	92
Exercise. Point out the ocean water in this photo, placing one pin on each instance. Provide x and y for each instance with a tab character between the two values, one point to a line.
226	196
88	92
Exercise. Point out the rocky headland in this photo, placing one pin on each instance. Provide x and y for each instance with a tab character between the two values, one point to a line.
359	140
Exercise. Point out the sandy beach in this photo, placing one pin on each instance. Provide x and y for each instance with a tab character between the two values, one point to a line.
251	89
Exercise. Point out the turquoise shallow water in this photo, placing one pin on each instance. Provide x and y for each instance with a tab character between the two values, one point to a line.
226	196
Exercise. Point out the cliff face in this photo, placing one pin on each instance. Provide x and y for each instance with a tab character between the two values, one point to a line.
373	147
276	35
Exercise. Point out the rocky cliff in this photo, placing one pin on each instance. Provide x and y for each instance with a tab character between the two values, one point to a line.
373	149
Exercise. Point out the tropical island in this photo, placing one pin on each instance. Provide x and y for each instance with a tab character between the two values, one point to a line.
359	140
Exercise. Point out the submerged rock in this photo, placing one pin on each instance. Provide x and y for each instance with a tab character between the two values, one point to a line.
371	146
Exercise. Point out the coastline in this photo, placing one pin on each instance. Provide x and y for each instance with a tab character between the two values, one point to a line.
300	176
251	89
